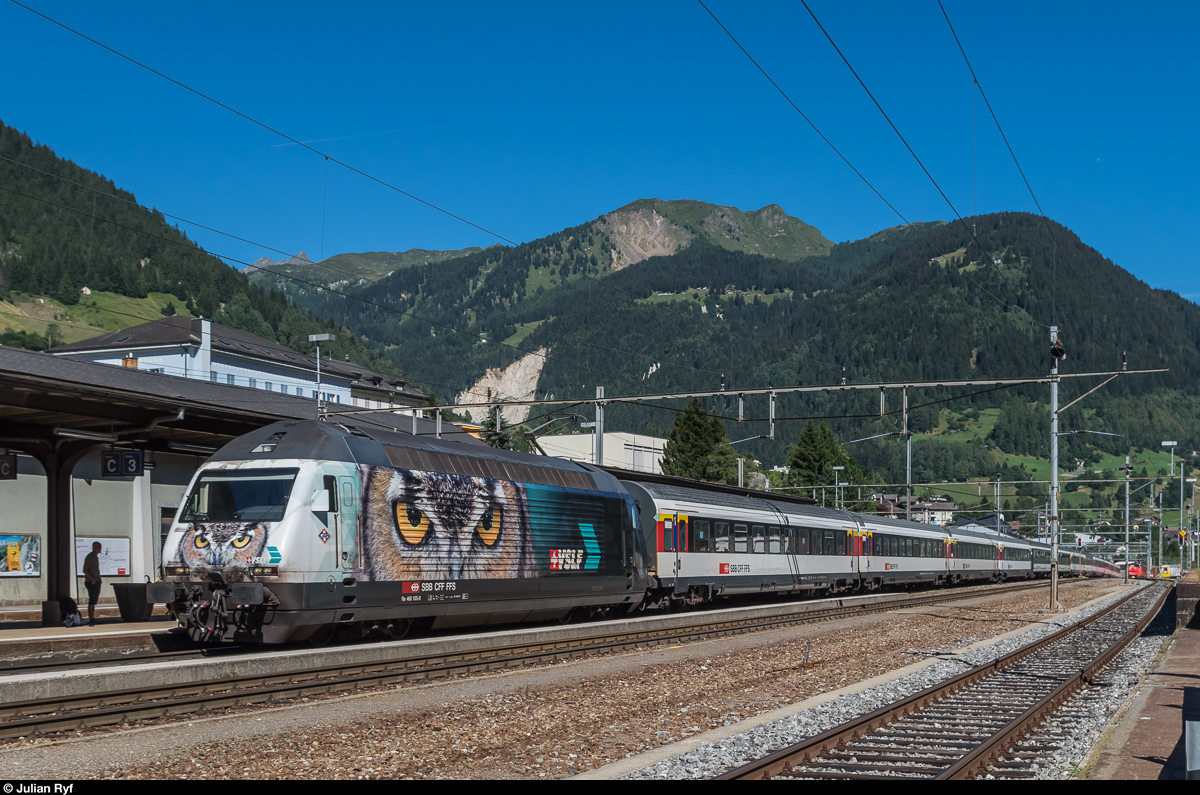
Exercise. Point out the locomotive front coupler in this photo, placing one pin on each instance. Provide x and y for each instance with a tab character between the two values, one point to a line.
236	593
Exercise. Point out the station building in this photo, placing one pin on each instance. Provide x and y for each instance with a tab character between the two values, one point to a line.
199	349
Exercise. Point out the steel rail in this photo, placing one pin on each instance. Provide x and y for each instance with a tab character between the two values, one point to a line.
976	763
42	716
781	761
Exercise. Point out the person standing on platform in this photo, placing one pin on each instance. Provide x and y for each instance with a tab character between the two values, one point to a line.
91	578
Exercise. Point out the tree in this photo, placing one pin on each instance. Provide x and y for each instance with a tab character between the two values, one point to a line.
811	461
496	432
698	447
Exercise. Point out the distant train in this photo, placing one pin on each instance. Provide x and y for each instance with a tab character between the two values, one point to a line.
315	530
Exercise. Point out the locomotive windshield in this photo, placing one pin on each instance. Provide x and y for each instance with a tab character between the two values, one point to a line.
247	495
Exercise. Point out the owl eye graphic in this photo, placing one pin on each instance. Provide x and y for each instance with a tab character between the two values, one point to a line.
242	540
412	523
201	541
488	527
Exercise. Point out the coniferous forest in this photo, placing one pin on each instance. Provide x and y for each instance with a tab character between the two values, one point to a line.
64	228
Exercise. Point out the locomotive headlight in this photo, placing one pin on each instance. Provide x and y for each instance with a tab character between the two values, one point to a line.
177	571
264	571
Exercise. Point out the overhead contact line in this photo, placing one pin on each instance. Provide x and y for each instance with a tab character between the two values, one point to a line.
191	247
950	204
860	175
1004	137
263	125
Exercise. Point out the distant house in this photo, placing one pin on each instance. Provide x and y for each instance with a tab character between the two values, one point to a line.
937	511
200	349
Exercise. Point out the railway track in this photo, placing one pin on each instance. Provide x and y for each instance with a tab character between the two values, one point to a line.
974	725
108	707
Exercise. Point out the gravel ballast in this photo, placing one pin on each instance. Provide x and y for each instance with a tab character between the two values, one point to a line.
561	720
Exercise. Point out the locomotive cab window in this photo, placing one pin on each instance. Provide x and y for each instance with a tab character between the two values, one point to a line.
246	495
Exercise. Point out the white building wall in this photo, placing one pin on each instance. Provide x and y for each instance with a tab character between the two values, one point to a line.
625	450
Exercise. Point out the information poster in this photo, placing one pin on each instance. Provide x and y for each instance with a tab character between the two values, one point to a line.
23	556
114	555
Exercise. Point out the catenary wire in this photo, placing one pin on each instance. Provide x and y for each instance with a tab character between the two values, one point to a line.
356	170
782	93
325	266
1004	137
267	127
950	204
288	276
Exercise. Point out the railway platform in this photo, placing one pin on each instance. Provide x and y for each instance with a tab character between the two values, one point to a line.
1148	741
23	639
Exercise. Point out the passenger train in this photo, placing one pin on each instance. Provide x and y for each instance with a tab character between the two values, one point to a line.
313	530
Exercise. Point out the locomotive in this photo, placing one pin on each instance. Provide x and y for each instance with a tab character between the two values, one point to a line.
311	530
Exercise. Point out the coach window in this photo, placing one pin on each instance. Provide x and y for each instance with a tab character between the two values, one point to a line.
774	546
758	535
827	547
668	535
740	538
700	536
801	546
721	537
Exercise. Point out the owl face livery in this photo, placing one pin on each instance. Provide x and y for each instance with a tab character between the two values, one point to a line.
225	547
437	526
305	525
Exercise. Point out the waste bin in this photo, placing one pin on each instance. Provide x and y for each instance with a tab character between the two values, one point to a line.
131	601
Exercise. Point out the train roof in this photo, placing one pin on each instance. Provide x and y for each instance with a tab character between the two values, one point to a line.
734	498
326	441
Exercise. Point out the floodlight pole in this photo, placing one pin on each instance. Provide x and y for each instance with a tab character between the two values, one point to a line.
599	426
1161	550
1181	460
319	338
1128	468
1053	518
908	468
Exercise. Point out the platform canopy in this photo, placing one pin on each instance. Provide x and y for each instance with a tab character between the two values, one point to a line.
58	410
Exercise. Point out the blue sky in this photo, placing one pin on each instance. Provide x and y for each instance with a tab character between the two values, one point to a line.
527	118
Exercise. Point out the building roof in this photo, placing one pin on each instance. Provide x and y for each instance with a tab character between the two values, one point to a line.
186	331
38	392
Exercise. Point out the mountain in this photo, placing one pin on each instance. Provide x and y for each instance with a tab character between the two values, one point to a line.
79	256
555	317
623	237
664	297
298	277
652	227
